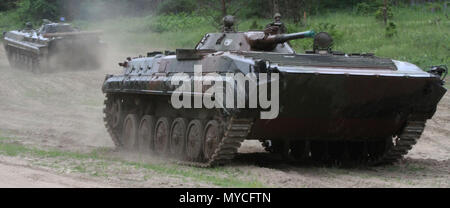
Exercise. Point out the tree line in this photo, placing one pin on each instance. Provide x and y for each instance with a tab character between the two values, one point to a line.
294	9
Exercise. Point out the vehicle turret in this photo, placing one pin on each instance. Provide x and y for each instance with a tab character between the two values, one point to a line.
268	40
251	41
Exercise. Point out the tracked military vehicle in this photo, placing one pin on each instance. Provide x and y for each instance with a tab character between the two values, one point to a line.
334	107
51	47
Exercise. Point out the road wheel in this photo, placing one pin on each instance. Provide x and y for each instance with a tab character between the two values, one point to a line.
319	151
358	152
300	150
130	132
212	138
35	65
178	137
162	136
9	55
116	113
336	152
377	149
274	146
28	63
115	130
13	58
194	140
146	134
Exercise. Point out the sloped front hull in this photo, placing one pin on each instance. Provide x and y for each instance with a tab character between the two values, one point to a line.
339	106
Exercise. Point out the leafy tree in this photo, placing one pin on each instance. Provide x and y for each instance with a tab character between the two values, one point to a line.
33	10
177	6
7	4
293	9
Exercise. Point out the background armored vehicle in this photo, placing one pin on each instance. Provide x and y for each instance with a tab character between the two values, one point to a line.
52	46
334	107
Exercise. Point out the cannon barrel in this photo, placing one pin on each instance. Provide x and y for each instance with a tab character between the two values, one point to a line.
293	36
73	34
268	43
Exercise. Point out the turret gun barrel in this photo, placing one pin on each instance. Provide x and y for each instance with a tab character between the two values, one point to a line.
73	34
270	42
293	36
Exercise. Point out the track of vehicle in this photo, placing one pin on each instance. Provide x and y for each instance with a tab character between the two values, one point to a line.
23	59
208	141
215	139
403	143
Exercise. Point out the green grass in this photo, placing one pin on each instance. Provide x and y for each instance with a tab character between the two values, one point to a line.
97	163
9	21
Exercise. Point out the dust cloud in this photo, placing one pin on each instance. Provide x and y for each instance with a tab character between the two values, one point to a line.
62	107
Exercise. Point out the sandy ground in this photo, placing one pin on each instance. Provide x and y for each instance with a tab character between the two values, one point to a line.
15	173
64	110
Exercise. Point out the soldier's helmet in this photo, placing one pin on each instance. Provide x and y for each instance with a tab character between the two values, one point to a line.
29	26
277	15
46	21
228	21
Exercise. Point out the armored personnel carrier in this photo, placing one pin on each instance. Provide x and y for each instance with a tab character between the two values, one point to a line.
333	107
52	46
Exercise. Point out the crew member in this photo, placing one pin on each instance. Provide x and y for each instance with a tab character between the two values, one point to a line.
28	27
228	24
277	24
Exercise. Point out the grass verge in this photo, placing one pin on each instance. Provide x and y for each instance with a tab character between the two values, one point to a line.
98	163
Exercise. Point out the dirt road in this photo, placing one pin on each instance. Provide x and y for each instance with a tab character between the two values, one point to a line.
63	110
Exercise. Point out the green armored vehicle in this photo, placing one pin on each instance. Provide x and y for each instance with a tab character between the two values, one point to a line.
51	47
333	107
